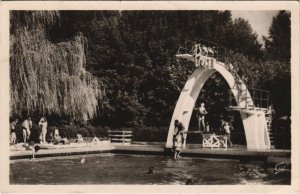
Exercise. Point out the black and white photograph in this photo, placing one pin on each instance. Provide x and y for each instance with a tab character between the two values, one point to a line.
199	96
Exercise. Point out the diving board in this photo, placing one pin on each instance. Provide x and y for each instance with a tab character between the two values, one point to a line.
254	120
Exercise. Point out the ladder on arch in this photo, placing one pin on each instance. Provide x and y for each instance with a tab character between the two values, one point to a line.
261	101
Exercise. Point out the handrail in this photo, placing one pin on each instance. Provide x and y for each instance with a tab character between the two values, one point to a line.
119	131
261	98
182	48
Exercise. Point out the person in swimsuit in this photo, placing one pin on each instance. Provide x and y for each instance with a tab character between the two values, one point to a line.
227	129
26	126
201	116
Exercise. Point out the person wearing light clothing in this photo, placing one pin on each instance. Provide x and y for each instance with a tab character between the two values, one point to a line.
43	125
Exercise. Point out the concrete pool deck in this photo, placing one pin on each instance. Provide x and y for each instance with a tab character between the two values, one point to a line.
194	150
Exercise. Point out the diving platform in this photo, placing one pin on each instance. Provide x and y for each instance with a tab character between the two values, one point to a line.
251	104
185	56
248	110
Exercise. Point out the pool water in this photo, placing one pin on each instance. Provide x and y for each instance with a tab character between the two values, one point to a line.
132	169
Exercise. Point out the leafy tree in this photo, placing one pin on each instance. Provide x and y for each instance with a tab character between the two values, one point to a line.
133	53
277	67
278	44
49	78
242	39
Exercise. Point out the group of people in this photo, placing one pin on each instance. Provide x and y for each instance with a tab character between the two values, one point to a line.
26	130
179	132
205	50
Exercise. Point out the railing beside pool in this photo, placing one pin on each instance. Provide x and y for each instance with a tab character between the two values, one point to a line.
120	136
214	141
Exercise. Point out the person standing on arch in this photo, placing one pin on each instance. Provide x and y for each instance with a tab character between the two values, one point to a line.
201	111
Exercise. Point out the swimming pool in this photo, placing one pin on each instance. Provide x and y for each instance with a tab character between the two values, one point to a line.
132	169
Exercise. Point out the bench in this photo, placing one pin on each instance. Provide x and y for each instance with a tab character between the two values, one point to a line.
120	136
214	141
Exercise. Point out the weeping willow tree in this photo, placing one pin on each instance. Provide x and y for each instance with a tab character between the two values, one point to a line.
49	78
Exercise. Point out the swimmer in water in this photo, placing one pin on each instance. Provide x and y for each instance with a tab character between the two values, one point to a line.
34	150
151	170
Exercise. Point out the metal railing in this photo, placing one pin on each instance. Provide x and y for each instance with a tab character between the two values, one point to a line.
260	98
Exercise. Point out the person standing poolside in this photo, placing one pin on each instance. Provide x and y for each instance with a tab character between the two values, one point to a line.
175	131
178	138
201	116
227	128
13	136
26	126
43	125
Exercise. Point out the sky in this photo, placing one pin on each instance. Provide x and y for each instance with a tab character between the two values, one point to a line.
260	21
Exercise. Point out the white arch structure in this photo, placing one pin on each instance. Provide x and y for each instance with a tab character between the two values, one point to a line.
254	121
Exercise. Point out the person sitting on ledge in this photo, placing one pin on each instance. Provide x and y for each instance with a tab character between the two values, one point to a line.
79	139
96	141
58	140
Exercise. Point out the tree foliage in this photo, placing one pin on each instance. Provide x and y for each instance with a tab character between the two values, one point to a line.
278	44
133	54
277	66
48	78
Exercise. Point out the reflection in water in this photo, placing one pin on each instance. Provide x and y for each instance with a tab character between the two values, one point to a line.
256	174
250	174
132	169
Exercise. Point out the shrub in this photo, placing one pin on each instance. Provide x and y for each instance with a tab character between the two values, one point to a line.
101	132
68	131
151	134
91	130
83	131
35	133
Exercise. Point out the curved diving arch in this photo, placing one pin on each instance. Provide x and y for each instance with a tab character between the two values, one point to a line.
254	121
